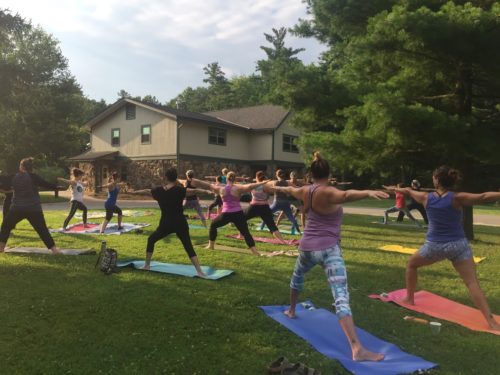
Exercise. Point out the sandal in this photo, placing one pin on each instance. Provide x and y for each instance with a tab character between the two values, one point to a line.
278	365
299	369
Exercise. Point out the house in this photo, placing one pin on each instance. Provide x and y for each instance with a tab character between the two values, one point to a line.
140	140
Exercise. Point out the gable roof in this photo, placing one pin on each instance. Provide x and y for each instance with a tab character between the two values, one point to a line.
169	112
261	117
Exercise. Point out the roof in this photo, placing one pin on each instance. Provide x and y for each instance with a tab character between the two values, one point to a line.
158	108
93	155
258	117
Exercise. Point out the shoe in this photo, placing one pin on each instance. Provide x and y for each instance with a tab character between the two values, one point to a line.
277	366
299	369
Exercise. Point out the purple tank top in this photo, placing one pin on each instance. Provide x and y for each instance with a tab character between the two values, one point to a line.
321	231
230	203
445	221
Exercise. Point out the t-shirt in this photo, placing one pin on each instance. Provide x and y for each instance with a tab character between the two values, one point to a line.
170	202
400	200
77	192
26	195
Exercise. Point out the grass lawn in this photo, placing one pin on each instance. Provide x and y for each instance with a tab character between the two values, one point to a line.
59	315
489	209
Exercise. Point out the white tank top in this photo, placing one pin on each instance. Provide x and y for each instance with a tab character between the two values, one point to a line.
77	192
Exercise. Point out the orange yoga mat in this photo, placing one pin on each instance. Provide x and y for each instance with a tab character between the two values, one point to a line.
441	308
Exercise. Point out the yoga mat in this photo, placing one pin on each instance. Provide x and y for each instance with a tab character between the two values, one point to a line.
321	329
410	251
288	253
192	226
94	228
177	269
286	231
293	242
441	308
228	248
102	214
37	250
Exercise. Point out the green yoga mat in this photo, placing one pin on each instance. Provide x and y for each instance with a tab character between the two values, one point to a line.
177	269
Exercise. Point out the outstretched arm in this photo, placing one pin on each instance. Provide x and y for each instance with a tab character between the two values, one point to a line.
70	182
142	191
205	185
249	187
418	196
469	199
339	196
296	192
190	192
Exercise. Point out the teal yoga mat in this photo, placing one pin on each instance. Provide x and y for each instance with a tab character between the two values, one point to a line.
177	269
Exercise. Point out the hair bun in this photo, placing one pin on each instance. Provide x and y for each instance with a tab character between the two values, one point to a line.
317	155
454	174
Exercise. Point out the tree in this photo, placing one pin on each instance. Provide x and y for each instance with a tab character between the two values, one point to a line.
40	108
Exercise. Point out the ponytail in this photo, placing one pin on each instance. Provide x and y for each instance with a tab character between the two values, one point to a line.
446	176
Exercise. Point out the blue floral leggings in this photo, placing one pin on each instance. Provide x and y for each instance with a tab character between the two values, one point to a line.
332	262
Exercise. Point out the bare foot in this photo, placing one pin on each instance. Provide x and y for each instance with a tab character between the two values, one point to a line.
86	226
203	275
209	247
365	355
146	267
494	326
56	251
407	300
290	314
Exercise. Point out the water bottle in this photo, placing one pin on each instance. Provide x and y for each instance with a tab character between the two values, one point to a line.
103	246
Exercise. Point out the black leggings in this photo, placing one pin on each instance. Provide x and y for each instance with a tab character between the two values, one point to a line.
113	210
238	218
216	203
414	206
180	227
264	212
6	204
35	218
76	205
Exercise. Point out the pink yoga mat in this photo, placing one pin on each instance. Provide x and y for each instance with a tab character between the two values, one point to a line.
267	240
441	308
79	227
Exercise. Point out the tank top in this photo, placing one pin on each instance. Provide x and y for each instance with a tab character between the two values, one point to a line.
77	192
279	196
321	231
259	196
190	186
445	221
230	203
112	196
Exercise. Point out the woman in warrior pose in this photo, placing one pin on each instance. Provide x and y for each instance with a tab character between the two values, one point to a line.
320	244
446	237
192	201
231	209
26	205
77	188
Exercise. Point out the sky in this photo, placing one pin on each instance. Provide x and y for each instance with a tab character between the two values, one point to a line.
159	48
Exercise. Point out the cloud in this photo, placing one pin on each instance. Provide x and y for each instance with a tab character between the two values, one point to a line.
134	40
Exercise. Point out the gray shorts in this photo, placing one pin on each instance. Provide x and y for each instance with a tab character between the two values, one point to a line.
455	251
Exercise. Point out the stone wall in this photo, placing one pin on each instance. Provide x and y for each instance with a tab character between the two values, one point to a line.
142	174
89	170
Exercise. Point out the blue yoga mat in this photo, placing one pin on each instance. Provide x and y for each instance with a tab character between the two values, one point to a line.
177	269
321	329
192	226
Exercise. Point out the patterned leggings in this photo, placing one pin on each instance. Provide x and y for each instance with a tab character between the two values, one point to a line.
332	262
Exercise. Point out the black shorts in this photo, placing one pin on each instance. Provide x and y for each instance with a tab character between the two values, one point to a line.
112	210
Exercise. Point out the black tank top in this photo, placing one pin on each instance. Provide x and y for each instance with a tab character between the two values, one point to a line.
189	186
279	196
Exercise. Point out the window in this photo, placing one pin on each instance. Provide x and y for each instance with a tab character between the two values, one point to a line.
145	134
217	136
130	112
289	143
115	137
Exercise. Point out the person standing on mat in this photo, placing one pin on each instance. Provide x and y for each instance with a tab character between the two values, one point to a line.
77	189
446	237
320	244
192	201
414	205
281	202
113	187
170	198
26	205
259	207
399	207
295	182
218	200
231	209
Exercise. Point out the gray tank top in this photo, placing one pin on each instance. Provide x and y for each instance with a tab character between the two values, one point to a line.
279	196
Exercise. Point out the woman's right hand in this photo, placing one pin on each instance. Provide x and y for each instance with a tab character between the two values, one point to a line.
377	194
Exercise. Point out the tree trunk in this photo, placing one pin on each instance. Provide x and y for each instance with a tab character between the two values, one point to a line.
464	106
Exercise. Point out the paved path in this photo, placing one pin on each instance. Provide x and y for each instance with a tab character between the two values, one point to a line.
98	204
